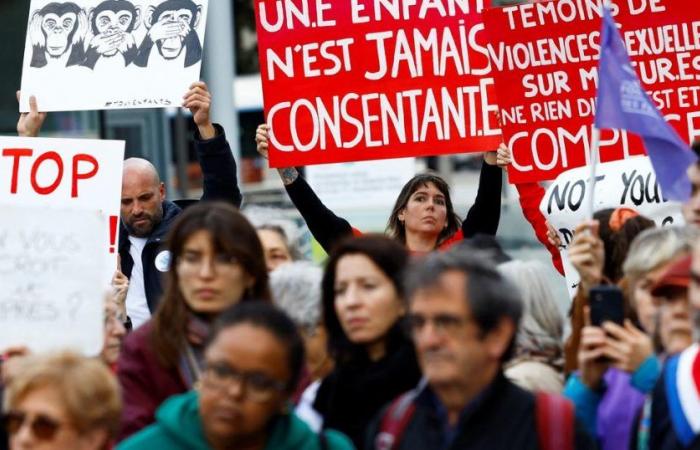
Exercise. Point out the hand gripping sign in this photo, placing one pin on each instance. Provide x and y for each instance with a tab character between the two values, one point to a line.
350	80
58	234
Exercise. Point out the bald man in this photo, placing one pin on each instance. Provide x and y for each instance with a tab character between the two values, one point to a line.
146	215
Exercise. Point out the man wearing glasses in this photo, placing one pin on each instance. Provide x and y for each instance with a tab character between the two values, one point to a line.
464	318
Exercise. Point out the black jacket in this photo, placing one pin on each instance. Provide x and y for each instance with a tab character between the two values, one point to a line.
328	229
662	435
501	418
220	183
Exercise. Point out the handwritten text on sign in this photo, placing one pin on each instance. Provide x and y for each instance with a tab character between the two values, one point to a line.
545	57
630	183
60	202
348	80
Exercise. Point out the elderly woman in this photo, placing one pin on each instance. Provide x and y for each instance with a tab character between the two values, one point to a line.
296	289
61	402
538	364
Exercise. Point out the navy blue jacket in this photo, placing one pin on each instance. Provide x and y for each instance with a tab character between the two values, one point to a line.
220	183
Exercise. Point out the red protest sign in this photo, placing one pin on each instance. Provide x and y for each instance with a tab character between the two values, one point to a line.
370	79
545	57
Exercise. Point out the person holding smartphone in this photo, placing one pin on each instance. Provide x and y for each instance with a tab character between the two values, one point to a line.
619	352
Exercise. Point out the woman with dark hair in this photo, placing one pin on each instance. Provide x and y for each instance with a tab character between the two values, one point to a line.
252	366
423	218
216	262
363	310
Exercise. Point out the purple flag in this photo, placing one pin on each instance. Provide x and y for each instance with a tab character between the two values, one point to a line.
624	104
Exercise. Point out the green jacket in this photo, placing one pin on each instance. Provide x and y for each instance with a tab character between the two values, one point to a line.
178	426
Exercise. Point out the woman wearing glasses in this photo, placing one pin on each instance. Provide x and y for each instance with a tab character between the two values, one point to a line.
61	402
363	310
216	262
252	366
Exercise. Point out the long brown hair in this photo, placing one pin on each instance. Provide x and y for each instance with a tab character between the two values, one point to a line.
232	235
397	230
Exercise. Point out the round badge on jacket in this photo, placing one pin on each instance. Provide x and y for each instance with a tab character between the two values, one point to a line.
163	261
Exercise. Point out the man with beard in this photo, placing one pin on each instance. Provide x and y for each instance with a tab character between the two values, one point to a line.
147	216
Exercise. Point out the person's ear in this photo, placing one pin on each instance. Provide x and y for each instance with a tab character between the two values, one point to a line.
161	190
402	215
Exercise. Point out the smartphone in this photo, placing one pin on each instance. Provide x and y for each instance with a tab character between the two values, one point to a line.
607	305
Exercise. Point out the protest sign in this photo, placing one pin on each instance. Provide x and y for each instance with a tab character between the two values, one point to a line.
545	57
100	54
359	80
361	185
60	200
630	183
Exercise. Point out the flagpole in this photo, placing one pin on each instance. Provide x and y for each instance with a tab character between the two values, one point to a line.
594	158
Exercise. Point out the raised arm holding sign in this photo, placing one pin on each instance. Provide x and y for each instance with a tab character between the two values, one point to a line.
423	217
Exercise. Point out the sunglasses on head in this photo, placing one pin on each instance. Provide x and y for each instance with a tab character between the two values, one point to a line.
42	426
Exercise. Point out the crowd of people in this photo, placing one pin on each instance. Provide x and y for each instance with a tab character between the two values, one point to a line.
220	335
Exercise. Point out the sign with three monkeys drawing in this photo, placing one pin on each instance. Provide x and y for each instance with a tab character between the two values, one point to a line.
111	54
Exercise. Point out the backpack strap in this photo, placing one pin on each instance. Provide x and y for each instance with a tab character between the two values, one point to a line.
394	422
555	422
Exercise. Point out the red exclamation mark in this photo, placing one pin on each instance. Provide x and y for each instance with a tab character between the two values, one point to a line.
112	233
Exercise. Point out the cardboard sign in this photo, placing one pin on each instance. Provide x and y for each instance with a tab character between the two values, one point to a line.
630	183
101	54
60	200
545	57
364	80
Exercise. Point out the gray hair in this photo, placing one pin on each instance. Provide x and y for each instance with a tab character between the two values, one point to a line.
542	327
657	246
272	219
490	296
296	289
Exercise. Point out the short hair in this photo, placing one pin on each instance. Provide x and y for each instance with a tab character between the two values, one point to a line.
296	289
489	295
88	391
696	148
542	324
389	255
656	247
273	320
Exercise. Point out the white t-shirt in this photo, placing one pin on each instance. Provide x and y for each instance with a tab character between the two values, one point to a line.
136	303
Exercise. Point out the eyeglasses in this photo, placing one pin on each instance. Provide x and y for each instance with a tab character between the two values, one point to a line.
257	386
43	427
443	324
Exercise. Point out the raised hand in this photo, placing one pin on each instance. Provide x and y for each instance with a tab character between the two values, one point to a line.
591	353
261	139
35	33
82	30
105	44
198	101
29	124
587	254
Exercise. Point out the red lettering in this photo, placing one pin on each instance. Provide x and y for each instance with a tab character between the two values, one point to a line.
81	157
35	168
17	153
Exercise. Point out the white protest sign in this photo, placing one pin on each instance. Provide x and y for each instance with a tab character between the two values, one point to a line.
374	184
60	200
629	183
107	54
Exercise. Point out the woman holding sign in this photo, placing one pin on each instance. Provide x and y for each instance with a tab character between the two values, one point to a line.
423	217
217	261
